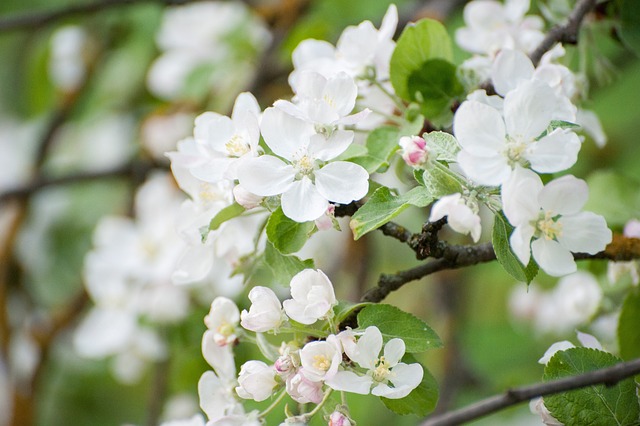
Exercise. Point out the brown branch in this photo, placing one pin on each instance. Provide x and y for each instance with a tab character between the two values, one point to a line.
127	170
608	376
566	33
34	20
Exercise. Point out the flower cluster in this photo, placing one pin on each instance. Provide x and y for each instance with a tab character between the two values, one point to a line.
355	361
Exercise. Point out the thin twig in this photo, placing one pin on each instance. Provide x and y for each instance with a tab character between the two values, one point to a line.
33	20
608	376
566	33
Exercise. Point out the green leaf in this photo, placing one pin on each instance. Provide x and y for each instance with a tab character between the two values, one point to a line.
396	323
628	330
614	196
424	40
502	229
434	86
443	146
384	206
381	144
229	212
287	235
597	405
630	24
440	181
421	401
282	266
343	309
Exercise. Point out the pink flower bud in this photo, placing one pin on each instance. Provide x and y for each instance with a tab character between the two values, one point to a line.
414	150
338	418
245	198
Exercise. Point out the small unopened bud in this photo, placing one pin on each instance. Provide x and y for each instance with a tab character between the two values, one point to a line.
414	150
337	418
284	365
245	198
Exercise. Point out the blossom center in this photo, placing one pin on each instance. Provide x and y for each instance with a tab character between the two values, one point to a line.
321	362
382	370
515	150
549	226
225	333
237	146
305	166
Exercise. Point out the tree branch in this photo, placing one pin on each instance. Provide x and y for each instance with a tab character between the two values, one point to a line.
33	20
566	33
133	168
608	376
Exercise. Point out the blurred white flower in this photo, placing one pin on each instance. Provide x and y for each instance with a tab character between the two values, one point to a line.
461	217
70	53
222	320
256	381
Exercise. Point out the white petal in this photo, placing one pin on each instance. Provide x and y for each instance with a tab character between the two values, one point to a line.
554	259
528	110
245	103
284	133
213	171
342	182
340	93
220	358
405	378
565	195
510	68
520	196
520	242
302	202
585	232
485	170
349	381
325	149
555	152
265	175
296	311
556	347
194	264
394	351
369	346
479	128
389	23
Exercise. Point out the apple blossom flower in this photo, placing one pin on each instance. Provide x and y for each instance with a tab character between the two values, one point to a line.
460	214
321	359
495	142
325	103
305	178
303	390
382	371
256	381
222	319
245	198
312	297
548	221
70	51
537	407
414	150
492	26
265	313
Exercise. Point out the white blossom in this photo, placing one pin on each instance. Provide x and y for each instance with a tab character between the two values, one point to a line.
461	217
256	381
303	390
222	320
548	221
265	313
312	297
385	375
321	359
494	142
304	175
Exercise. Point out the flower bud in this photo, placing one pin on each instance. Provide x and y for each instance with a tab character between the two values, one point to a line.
246	199
265	313
414	150
338	418
256	380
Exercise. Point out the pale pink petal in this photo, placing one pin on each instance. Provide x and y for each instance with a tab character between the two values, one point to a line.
266	175
565	195
585	232
342	182
302	202
554	259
